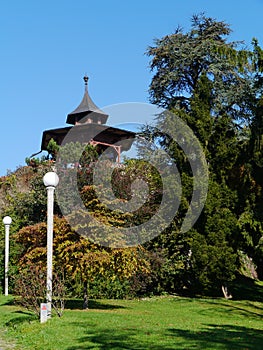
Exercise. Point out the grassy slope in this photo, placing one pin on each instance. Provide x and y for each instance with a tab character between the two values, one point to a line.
156	323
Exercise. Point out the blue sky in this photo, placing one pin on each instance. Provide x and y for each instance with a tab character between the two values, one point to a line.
47	47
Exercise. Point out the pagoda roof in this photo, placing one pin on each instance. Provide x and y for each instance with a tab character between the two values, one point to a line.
85	108
85	133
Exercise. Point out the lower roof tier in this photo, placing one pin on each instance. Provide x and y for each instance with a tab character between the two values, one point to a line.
85	133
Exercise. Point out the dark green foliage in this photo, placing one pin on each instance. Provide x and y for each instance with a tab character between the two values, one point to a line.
179	61
215	86
104	288
53	149
31	206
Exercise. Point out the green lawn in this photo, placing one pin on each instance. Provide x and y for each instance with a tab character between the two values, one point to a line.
156	323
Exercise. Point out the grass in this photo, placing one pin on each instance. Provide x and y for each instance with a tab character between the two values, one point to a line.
163	323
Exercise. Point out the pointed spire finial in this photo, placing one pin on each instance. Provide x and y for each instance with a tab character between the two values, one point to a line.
86	78
87	106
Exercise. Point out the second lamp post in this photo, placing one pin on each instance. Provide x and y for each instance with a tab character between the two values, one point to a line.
7	222
50	181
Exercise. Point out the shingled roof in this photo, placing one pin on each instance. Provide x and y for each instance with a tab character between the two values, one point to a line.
87	109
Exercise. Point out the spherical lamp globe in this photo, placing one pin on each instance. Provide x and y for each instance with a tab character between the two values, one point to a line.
50	179
7	220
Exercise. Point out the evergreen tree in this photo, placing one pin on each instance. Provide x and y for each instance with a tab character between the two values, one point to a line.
213	85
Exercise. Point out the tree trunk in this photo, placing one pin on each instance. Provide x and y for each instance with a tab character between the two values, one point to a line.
85	296
227	295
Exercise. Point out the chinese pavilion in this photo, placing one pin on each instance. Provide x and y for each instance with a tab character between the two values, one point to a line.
89	123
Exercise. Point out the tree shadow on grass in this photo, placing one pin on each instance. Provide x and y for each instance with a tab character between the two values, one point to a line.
20	317
117	340
77	304
227	337
7	302
246	308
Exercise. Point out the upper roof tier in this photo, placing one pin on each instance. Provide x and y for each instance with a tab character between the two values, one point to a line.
87	112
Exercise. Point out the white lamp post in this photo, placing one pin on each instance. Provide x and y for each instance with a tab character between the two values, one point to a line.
7	222
50	181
